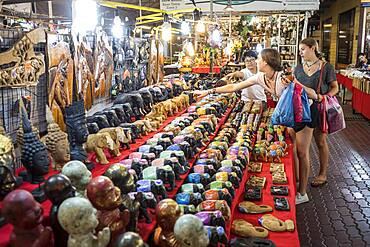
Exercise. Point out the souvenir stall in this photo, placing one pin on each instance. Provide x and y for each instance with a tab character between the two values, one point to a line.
98	148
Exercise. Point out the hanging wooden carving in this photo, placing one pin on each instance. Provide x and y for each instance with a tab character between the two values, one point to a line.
153	62
24	66
103	57
60	78
160	62
84	61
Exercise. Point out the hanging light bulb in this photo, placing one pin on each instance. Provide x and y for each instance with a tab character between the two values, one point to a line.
216	35
185	27
166	31
189	48
117	29
200	27
229	47
85	16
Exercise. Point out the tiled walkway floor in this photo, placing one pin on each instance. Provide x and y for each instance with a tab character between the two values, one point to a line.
339	212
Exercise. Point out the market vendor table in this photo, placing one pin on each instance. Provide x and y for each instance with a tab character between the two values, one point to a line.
281	239
144	229
360	99
206	70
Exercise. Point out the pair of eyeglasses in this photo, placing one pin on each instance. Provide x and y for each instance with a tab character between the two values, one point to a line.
250	60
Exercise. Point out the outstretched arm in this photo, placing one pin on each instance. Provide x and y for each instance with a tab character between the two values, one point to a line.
230	88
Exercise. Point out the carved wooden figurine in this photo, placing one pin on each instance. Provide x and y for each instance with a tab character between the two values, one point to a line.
25	214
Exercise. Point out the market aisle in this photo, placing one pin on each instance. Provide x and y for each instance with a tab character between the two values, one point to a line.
339	213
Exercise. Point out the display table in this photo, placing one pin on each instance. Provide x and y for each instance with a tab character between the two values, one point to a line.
360	99
281	239
144	229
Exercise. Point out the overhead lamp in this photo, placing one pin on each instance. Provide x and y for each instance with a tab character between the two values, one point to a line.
200	27
117	29
166	28
216	35
185	27
189	48
197	15
85	16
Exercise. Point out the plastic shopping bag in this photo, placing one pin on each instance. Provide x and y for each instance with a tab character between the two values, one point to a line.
323	123
284	111
301	105
334	115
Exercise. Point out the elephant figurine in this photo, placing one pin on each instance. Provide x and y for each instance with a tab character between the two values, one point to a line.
96	143
259	154
173	163
128	111
100	119
122	116
188	209
191	187
204	169
211	154
156	93
157	149
208	162
213	205
138	165
164	173
147	98
199	178
179	155
138	155
216	235
147	126
239	159
146	200
135	100
218	194
227	176
135	134
274	155
118	136
164	142
212	218
167	134
93	128
154	186
186	198
229	169
112	117
222	185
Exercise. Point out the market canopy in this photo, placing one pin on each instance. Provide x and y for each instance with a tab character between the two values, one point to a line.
242	5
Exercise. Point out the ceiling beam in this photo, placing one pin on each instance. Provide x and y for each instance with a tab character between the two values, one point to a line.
7	2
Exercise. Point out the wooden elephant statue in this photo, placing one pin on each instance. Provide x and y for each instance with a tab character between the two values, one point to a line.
96	143
120	138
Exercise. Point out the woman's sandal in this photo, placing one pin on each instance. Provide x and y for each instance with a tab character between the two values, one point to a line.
316	182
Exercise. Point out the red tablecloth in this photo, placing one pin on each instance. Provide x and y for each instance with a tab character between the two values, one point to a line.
144	229
345	81
206	70
288	239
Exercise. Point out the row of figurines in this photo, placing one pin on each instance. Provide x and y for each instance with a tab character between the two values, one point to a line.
63	147
101	192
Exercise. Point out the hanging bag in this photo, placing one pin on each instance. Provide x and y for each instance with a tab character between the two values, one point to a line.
284	111
331	113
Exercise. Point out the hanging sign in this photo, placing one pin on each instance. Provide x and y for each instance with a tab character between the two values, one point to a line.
169	5
256	5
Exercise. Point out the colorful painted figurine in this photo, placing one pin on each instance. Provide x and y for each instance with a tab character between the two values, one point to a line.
57	189
78	217
106	198
77	172
25	214
190	232
167	212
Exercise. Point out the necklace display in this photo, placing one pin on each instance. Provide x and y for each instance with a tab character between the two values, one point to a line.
309	65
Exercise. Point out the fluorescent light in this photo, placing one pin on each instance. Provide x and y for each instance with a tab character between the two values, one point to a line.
328	25
85	16
200	27
166	31
117	29
185	28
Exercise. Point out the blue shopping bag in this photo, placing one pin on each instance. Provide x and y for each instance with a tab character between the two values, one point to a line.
284	111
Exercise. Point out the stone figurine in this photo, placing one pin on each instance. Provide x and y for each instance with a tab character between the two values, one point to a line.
190	232
121	178
57	144
7	178
57	189
77	130
79	175
129	239
167	212
106	198
34	154
78	217
25	214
